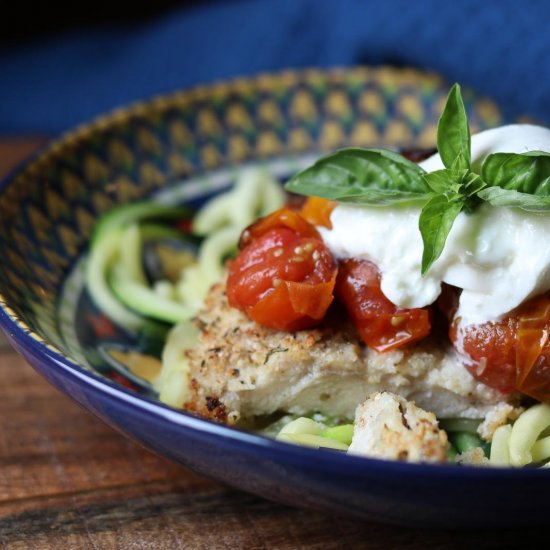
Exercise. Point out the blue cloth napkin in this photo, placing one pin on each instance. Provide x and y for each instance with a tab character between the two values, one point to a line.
499	48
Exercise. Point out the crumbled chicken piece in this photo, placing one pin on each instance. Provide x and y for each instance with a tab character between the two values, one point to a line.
473	457
239	370
499	415
388	426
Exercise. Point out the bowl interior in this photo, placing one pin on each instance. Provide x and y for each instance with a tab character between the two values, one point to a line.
186	146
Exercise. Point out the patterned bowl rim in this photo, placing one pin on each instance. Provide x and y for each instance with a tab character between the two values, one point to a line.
49	356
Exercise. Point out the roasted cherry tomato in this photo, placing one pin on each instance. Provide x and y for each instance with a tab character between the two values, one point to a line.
284	276
282	218
381	325
513	353
533	349
492	348
317	211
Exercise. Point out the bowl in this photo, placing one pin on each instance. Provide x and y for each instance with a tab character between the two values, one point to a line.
200	139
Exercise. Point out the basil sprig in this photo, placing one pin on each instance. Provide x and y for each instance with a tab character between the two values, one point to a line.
378	177
365	176
455	187
520	180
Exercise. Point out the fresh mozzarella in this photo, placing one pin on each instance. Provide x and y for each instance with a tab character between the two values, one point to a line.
498	256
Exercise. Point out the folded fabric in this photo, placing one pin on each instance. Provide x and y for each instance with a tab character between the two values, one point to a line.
500	49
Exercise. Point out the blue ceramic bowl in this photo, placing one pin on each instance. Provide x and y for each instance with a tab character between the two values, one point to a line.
48	208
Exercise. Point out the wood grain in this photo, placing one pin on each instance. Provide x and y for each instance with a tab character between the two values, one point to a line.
68	481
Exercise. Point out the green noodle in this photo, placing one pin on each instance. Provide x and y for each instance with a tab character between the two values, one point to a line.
526	431
521	444
221	221
308	432
102	257
541	450
500	446
173	380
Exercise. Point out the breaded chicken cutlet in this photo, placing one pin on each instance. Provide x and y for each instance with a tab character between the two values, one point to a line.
240	370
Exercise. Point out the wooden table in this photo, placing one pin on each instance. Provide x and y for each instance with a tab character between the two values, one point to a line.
68	481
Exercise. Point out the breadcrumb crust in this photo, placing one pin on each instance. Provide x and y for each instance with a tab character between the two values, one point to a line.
240	370
388	426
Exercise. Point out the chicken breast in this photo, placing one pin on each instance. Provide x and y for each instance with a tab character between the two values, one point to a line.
240	370
388	426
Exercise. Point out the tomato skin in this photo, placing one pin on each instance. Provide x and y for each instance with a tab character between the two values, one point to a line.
533	349
284	276
382	325
512	354
492	350
317	211
282	218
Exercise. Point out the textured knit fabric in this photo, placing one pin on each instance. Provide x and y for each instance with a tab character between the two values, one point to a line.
499	48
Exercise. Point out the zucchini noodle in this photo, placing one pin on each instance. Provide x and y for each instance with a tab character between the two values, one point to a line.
220	221
309	433
129	283
196	279
130	254
103	256
500	446
521	444
172	382
115	277
255	194
118	283
164	289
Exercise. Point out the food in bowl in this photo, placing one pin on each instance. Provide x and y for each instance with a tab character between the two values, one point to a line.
409	300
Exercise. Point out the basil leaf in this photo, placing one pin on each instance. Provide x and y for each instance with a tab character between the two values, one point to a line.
445	182
473	184
509	197
460	164
439	181
366	176
436	219
525	173
453	132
